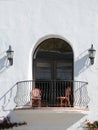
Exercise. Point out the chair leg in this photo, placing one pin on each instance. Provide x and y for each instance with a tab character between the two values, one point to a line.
39	103
32	103
61	102
67	101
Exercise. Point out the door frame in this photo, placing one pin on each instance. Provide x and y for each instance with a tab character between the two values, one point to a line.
37	48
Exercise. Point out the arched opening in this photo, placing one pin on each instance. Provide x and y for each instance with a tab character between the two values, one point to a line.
52	66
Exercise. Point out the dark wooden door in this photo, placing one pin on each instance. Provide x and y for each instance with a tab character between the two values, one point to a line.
48	77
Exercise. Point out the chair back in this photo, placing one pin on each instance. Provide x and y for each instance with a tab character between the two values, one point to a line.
36	93
68	91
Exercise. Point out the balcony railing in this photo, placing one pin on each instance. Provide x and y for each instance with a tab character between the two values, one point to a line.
51	90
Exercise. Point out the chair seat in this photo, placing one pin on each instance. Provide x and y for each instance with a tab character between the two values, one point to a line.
36	98
60	97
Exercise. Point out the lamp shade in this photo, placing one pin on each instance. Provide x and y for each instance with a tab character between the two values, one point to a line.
10	54
92	52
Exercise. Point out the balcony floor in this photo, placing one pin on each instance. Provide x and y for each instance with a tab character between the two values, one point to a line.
85	110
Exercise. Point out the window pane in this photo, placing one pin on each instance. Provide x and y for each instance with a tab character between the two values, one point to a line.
64	71
43	71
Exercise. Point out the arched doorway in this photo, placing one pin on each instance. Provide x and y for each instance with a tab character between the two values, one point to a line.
53	64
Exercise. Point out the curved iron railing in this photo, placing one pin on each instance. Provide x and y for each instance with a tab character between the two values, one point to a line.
51	90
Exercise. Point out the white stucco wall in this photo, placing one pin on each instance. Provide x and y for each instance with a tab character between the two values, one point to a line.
23	23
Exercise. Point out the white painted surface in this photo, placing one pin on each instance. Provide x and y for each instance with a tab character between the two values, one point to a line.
23	23
49	119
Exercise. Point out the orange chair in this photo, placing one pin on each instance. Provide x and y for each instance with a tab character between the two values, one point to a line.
66	98
35	96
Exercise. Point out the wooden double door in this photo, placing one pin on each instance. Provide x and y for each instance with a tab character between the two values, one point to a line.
50	77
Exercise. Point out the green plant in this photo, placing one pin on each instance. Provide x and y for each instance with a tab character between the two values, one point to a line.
91	125
6	123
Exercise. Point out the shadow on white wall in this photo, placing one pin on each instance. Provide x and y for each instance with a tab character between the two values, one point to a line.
81	64
3	63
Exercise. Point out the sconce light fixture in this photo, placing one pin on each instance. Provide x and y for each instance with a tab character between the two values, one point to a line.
91	52
10	54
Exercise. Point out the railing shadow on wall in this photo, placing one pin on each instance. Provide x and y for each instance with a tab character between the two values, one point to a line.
8	98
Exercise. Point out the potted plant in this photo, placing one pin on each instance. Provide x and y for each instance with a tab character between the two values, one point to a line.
7	124
92	125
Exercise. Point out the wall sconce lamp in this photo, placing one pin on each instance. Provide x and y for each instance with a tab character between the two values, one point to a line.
10	54
91	52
